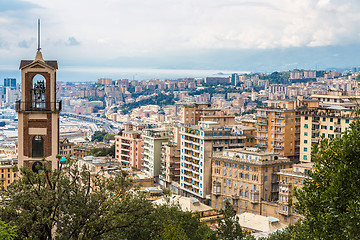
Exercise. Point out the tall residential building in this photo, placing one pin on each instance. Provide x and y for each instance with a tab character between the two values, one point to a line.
247	178
278	128
193	114
326	122
153	140
197	146
170	164
129	148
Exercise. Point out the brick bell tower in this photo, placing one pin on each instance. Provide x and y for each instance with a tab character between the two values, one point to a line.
38	114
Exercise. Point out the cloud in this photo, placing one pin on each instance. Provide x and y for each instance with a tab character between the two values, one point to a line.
109	29
24	44
72	42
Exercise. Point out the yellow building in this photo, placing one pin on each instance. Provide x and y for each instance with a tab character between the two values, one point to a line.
7	173
193	114
170	164
247	178
326	122
66	148
257	182
290	179
278	128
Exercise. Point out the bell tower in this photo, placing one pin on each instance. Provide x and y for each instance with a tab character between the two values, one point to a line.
38	113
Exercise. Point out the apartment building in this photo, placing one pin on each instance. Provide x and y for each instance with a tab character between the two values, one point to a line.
197	146
153	140
129	148
289	179
248	178
66	148
326	122
170	165
278	128
7	173
337	97
193	114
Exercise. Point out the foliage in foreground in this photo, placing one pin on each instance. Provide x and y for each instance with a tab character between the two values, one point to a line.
7	232
72	204
330	198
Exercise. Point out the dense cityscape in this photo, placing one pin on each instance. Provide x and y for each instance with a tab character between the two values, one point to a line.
245	139
179	120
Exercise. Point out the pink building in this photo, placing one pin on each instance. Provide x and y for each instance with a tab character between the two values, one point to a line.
129	148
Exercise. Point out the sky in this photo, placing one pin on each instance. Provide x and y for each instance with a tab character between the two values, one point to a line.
99	38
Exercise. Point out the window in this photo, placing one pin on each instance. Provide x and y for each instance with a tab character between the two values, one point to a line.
305	141
305	157
305	149
305	133
331	119
331	128
306	125
347	121
37	146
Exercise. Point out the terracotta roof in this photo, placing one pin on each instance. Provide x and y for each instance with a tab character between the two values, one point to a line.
52	63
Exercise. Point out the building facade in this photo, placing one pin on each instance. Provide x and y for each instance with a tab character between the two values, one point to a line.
278	128
247	178
153	140
324	122
38	114
197	146
129	148
170	164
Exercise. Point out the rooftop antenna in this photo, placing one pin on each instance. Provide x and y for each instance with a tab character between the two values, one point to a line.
39	35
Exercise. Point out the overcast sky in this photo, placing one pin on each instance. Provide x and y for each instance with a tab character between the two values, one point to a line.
205	34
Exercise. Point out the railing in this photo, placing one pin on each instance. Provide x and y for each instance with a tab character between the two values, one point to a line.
21	106
278	147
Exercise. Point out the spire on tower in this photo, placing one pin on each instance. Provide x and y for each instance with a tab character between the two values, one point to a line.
39	35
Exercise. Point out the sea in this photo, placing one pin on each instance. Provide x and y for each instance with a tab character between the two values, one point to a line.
91	74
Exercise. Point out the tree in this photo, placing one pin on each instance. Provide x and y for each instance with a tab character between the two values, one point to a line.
7	232
330	198
172	223
72	204
229	227
98	136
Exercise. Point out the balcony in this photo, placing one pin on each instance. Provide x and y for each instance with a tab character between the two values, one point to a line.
279	116
278	139
261	138
279	124
262	123
278	147
235	196
315	140
261	116
30	106
260	145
